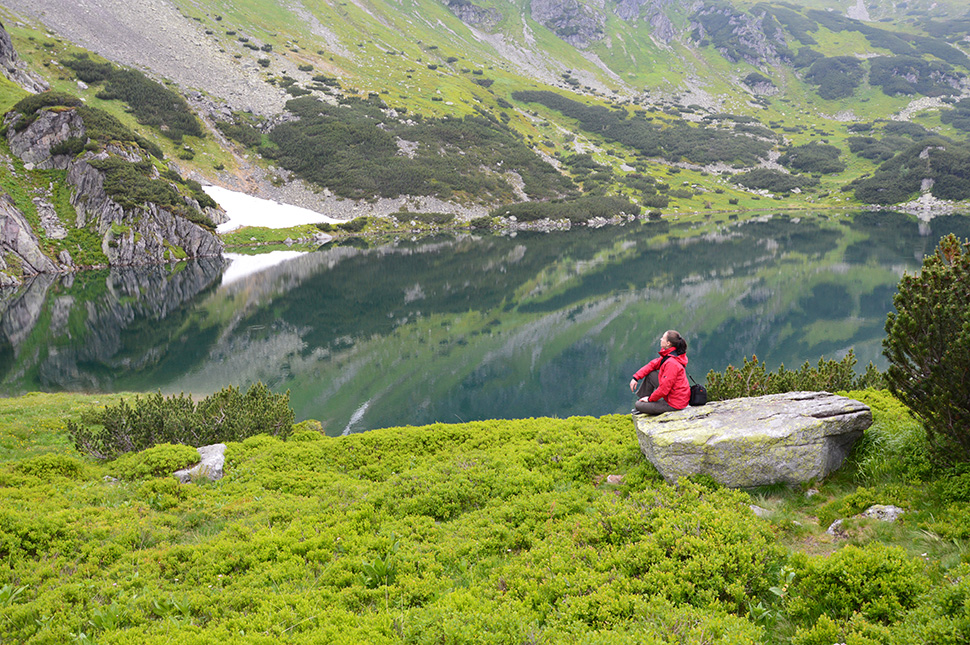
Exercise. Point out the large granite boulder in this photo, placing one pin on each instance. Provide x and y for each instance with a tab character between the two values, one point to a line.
781	438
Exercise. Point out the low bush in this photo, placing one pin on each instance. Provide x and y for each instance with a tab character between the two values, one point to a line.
813	157
152	103
753	379
774	180
881	583
227	415
836	77
52	465
577	210
157	461
355	225
131	186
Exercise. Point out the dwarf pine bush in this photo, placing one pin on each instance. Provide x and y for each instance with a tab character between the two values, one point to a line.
227	415
928	346
753	379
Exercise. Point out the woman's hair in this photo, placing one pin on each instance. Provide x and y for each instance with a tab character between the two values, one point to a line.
676	341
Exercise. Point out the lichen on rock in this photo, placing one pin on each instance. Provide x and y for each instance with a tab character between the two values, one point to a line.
781	438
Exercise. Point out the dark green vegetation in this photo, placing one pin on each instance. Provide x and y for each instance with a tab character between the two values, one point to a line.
814	157
355	149
481	532
900	178
674	141
836	77
152	104
577	210
752	379
227	415
132	185
774	181
928	346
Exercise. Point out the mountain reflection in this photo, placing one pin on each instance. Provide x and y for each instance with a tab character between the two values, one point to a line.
469	327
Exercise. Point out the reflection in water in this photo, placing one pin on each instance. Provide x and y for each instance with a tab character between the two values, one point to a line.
455	329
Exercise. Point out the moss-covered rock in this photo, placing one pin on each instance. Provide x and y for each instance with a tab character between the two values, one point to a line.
757	441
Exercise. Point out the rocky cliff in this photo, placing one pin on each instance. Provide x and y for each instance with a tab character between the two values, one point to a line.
13	68
138	232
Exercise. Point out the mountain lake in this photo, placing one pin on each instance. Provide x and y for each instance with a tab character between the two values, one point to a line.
460	327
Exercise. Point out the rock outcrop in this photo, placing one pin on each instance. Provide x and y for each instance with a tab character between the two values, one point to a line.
472	14
781	438
575	23
20	250
145	235
33	144
139	235
14	69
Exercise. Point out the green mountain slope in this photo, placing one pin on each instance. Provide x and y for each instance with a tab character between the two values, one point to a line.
676	106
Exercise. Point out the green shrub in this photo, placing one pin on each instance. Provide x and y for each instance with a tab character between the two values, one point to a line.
836	77
753	379
581	209
894	448
131	186
482	222
881	583
439	219
774	180
152	103
813	157
51	465
157	461
854	631
943	615
355	225
928	346
224	416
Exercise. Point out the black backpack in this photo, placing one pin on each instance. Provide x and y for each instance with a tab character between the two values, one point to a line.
698	393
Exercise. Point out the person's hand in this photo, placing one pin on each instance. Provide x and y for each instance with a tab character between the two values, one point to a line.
633	385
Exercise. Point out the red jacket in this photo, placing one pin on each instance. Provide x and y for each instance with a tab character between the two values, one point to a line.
674	387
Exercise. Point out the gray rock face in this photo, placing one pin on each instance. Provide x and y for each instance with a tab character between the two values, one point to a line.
781	438
210	465
19	244
14	69
146	235
33	144
472	14
573	22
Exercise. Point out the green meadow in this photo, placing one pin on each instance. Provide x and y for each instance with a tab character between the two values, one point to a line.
526	531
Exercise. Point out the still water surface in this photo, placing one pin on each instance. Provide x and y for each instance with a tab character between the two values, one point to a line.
452	329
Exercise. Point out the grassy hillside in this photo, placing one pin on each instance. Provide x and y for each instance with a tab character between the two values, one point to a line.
483	532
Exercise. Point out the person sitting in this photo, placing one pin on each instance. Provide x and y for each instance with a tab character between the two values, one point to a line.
665	387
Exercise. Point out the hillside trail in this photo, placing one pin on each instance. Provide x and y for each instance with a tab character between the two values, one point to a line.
154	36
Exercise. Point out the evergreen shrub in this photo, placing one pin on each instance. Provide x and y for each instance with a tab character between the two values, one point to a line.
227	415
152	103
753	379
928	346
